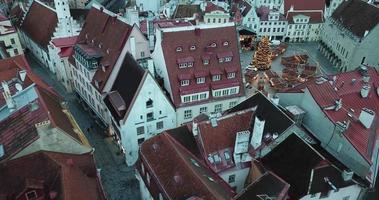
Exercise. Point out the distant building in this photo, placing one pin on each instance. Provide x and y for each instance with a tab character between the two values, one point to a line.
50	175
349	36
304	20
98	56
42	23
9	41
347	106
202	71
150	5
138	106
33	116
214	14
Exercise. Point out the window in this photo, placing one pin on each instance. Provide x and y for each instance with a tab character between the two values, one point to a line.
31	195
13	41
232	104
149	103
150	116
216	77
214	44
186	99
232	178
205	61
184	82
218	108
140	130
200	80
203	110
217	93
225	92
231	75
226	43
193	47
209	20
140	140
227	155
220	60
233	91
228	59
203	96
142	54
182	65
190	64
195	97
159	125
179	49
15	52
187	114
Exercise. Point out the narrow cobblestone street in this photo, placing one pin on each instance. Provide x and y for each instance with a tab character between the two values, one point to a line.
118	180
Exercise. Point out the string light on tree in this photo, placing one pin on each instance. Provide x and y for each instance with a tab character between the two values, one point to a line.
262	57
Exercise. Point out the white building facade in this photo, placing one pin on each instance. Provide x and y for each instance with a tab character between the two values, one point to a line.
9	38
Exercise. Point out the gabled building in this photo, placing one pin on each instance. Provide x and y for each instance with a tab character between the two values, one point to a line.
304	19
202	71
32	116
349	36
9	42
214	14
50	175
98	56
43	23
139	108
347	105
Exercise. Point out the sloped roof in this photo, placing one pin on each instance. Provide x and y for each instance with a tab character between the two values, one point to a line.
40	23
247	7
314	17
357	16
325	95
202	38
180	174
293	160
304	5
106	29
269	184
127	82
186	11
183	135
70	176
210	7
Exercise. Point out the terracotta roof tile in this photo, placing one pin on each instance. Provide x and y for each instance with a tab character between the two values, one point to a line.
314	17
186	11
202	39
188	177
304	5
40	23
70	176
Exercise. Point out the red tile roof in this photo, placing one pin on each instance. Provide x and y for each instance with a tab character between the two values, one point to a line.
202	39
212	7
65	42
349	91
224	134
111	32
314	17
40	23
70	176
180	174
304	5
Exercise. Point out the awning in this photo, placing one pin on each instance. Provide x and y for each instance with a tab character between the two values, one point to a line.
185	60
215	71
201	73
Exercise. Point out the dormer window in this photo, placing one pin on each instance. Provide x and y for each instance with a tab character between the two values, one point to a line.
100	45
214	44
226	43
231	75
149	103
179	49
184	82
193	48
200	80
190	64
31	195
221	60
216	77
108	51
182	65
228	59
205	61
227	155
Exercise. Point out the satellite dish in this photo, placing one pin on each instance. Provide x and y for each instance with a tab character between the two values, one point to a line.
18	87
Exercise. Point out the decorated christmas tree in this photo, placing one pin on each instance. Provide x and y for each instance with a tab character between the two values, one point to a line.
262	56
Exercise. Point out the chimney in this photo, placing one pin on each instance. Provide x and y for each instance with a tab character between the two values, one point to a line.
195	129
213	121
366	78
365	91
256	139
347	175
366	33
133	47
22	74
338	105
367	117
8	97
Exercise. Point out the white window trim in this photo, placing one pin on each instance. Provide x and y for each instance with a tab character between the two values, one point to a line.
200	80
216	77
184	82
